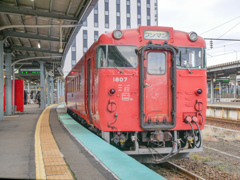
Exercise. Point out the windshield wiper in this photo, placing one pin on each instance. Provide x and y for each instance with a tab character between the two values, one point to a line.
190	72
180	59
121	71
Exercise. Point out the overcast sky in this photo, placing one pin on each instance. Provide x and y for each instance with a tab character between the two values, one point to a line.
201	16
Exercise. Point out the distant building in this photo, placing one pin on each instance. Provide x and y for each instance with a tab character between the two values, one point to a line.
107	16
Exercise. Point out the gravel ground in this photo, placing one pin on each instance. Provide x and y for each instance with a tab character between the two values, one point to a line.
232	126
167	173
210	164
205	170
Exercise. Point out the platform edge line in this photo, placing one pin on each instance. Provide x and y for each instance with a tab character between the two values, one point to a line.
39	164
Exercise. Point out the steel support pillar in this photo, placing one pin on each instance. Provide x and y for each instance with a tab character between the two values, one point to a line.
52	89
28	87
8	83
63	88
212	90
220	90
42	84
58	90
235	87
13	89
48	91
1	81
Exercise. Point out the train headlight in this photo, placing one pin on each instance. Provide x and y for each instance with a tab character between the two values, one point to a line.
193	36
199	91
112	91
117	34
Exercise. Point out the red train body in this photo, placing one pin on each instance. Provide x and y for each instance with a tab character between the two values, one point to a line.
143	90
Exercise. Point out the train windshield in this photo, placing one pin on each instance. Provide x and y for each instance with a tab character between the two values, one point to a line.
191	58
117	56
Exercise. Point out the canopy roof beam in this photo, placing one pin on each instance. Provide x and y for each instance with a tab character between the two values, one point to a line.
24	48
7	33
4	8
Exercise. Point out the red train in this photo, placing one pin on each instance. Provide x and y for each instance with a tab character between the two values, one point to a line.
143	90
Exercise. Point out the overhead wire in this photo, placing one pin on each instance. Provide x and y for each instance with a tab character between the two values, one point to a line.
229	30
219	25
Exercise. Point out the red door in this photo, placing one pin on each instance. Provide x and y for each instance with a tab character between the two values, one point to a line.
157	88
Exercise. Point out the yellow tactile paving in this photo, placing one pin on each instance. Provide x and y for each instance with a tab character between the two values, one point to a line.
48	158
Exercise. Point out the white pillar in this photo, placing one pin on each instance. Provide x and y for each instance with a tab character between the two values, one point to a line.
8	83
220	90
58	90
212	90
42	85
13	88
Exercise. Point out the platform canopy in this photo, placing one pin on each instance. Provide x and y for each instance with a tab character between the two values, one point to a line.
41	30
224	70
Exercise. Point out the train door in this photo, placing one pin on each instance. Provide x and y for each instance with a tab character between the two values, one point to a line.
88	90
156	91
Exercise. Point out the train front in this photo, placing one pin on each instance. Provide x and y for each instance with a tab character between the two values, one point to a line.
152	89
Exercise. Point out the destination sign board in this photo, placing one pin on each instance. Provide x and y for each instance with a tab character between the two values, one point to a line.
157	35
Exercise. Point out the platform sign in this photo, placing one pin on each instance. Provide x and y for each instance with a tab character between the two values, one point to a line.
51	79
232	77
29	71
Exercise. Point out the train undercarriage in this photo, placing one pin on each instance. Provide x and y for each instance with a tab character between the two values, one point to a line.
156	146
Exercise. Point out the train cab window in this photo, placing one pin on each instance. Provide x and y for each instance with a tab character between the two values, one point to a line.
102	56
117	56
156	63
191	58
79	82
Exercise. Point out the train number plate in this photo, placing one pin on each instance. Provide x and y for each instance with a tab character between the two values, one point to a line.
119	79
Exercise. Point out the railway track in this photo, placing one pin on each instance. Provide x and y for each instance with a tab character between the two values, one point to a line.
182	171
224	120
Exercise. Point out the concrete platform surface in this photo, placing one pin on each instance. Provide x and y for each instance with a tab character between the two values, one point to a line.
17	158
17	148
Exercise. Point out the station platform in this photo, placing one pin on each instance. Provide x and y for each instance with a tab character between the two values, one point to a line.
224	104
224	111
51	145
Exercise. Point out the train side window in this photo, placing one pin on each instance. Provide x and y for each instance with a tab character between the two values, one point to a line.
102	61
75	84
156	63
79	82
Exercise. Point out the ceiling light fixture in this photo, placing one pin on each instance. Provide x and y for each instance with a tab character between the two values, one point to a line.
39	45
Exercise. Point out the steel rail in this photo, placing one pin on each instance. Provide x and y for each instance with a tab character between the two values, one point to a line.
221	128
223	120
182	171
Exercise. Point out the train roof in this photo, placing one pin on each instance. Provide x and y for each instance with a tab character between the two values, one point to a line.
136	37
